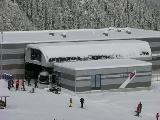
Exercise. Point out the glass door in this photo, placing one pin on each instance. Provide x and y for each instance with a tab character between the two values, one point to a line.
96	81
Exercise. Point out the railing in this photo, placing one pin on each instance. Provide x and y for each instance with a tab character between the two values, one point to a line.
155	77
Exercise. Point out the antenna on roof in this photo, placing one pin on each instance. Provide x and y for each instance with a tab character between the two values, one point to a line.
119	30
105	33
64	35
111	28
51	34
128	31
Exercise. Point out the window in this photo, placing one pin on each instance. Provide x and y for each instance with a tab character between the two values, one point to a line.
36	54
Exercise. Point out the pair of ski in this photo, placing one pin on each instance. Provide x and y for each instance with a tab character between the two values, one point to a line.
137	114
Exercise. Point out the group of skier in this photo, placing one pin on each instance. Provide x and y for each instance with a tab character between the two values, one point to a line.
17	83
10	84
139	110
81	101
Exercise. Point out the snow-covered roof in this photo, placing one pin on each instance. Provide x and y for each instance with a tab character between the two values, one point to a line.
124	48
98	64
77	35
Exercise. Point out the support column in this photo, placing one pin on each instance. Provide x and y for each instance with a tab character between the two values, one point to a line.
5	100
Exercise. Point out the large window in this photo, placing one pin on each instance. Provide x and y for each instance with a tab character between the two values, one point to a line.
35	54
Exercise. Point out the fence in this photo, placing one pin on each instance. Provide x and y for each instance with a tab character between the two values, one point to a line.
155	77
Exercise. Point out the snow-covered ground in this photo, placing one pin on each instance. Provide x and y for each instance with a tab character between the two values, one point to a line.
99	105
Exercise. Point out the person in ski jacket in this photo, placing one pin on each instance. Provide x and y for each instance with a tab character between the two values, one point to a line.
12	83
36	83
23	85
9	84
140	106
82	102
17	84
70	102
138	111
157	116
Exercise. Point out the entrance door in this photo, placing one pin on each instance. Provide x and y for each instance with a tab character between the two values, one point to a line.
96	81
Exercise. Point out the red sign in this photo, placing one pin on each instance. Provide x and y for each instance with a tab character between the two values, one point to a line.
131	74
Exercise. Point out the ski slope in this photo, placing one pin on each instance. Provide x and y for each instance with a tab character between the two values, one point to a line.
99	105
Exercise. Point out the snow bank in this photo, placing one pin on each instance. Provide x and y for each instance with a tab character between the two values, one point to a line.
3	88
3	83
4	92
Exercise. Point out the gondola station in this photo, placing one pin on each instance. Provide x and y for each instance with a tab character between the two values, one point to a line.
95	65
40	55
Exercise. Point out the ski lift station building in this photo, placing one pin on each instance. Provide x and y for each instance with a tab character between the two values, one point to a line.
26	53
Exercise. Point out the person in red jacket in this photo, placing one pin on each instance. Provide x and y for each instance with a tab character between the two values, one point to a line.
157	116
138	111
17	84
140	106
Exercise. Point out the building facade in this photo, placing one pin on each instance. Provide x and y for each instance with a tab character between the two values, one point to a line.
104	74
13	44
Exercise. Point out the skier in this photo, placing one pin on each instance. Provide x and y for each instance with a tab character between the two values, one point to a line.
138	111
23	86
9	84
29	82
140	106
32	90
82	102
70	102
36	83
157	116
17	84
12	83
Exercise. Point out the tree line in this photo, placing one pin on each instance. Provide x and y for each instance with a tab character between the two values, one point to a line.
77	14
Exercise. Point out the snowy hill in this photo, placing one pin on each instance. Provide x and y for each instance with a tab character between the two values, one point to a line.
99	105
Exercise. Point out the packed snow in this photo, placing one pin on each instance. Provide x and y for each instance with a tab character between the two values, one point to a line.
99	105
